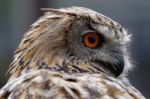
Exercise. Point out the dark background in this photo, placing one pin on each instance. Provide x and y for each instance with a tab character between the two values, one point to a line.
17	15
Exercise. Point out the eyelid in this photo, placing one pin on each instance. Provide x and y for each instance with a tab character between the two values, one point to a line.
88	31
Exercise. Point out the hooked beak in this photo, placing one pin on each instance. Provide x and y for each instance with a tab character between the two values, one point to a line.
114	68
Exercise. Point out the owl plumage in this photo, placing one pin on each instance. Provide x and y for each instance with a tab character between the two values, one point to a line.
43	84
52	60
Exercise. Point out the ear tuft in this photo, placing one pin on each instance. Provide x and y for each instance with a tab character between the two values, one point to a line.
56	11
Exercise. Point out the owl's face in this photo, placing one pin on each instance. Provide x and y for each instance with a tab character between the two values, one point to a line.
96	44
75	40
101	45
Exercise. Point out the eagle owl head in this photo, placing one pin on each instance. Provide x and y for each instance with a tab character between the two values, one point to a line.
73	40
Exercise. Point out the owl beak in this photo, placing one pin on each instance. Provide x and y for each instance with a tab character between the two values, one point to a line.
117	68
112	68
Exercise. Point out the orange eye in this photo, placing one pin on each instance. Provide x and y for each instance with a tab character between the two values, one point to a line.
92	39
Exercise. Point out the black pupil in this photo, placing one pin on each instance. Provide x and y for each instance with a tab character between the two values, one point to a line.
91	39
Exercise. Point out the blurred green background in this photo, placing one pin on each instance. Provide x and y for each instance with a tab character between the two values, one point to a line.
17	15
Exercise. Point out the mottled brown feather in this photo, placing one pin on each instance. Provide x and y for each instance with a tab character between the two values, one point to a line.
52	63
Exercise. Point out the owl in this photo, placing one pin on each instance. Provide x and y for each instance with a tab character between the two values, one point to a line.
72	53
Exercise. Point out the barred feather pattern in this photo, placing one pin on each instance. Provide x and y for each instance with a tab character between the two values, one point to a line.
45	84
52	63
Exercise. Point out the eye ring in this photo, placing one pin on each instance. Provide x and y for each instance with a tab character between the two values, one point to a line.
92	39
